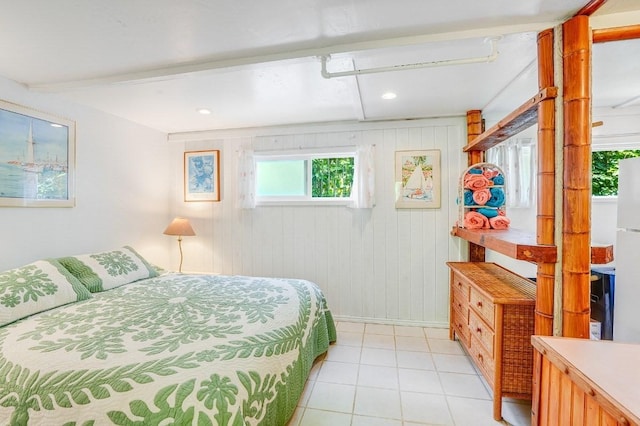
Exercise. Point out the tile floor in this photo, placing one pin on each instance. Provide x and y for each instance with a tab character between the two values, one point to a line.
389	375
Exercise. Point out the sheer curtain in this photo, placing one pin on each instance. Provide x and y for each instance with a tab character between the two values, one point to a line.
516	158
364	182
246	179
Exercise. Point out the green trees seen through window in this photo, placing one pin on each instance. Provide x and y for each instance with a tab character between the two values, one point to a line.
332	177
604	170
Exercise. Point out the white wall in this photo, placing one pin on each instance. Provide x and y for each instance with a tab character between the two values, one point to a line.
121	190
381	264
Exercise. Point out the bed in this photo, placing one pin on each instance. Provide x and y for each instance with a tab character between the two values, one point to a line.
162	349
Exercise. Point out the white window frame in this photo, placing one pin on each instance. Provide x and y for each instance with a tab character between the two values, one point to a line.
306	155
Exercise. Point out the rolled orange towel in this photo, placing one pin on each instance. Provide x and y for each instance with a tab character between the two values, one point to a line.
490	174
475	220
499	222
475	182
481	196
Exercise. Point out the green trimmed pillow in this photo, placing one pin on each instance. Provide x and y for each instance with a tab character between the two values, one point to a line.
37	287
109	269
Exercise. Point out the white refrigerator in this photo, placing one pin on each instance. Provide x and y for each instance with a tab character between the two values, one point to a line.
626	312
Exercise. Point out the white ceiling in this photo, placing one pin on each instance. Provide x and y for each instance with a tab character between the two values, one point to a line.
256	63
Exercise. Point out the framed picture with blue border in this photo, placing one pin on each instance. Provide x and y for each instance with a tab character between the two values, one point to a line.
202	175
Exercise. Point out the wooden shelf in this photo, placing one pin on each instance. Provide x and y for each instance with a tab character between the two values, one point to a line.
522	245
601	255
522	118
511	242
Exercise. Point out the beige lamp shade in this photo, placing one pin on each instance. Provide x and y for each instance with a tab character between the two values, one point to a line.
180	226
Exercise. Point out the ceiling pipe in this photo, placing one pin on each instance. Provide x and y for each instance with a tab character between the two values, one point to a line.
447	62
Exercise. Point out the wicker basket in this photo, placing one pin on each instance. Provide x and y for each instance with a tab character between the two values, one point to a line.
494	178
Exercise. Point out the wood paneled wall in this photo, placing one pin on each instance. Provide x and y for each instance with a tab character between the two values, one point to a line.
378	264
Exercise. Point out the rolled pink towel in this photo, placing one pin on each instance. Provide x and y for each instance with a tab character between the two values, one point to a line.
475	182
499	222
475	220
481	196
490	174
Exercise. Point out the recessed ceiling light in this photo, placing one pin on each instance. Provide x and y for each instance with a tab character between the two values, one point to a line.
389	95
204	111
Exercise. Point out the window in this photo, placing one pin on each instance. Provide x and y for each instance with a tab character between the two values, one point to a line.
517	159
604	170
304	177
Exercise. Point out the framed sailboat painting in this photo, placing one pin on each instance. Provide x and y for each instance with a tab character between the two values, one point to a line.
418	179
37	158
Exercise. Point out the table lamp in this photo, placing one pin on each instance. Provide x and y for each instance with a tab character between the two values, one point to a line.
181	227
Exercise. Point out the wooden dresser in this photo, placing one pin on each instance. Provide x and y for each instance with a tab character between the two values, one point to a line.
492	315
585	382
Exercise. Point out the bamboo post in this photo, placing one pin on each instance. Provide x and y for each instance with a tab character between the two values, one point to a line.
545	221
475	128
589	8
604	35
576	228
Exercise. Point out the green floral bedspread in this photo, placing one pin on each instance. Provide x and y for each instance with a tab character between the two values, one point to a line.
176	349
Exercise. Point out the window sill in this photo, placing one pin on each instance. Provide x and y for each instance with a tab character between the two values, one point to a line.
315	203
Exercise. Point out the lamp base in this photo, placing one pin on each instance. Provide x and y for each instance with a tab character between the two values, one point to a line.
180	247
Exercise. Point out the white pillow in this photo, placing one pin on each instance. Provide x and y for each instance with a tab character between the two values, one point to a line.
109	269
37	287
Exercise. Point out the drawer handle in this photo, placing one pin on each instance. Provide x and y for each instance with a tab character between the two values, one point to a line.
479	303
480	357
459	305
479	330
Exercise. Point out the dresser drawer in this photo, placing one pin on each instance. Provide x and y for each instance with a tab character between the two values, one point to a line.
460	299
483	306
460	285
483	360
481	331
460	324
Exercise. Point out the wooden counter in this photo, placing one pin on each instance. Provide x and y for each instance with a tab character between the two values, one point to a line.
585	382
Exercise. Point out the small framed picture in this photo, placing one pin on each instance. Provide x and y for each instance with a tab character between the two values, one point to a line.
418	179
202	175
